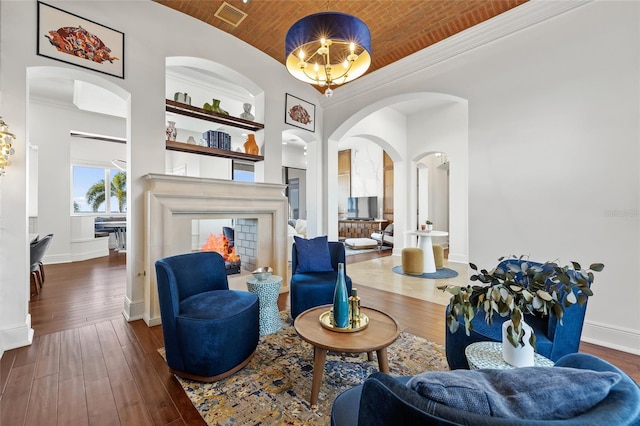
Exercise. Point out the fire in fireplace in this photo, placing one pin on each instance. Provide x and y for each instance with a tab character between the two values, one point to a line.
220	244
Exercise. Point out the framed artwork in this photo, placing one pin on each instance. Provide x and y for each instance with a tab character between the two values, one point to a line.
300	113
69	38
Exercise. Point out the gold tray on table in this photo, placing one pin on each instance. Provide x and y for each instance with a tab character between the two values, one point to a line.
325	321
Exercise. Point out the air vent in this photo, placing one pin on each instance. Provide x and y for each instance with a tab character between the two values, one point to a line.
230	14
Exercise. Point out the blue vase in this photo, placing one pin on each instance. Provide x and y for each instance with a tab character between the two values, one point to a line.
341	300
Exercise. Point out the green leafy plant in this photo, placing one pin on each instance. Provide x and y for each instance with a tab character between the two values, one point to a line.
517	289
428	222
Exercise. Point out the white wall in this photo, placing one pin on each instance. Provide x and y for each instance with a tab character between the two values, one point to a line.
553	146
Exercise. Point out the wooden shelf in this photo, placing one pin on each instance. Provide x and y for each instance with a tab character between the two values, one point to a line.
195	112
203	150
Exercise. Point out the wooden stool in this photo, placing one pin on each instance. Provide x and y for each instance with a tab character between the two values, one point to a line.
438	256
412	261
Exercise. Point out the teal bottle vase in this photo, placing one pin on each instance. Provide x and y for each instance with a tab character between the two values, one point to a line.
341	300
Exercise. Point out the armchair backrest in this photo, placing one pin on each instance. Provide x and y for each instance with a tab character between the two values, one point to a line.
229	235
38	249
336	251
187	274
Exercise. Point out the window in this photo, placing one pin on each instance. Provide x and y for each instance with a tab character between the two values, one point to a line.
243	172
91	186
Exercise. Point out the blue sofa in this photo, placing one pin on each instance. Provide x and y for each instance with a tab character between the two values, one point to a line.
553	340
383	400
310	289
209	331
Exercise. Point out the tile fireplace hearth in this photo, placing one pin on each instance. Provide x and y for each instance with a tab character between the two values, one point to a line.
172	202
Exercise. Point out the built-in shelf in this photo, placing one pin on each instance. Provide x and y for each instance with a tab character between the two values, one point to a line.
202	114
204	150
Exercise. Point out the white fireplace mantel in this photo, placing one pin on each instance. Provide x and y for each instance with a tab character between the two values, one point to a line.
171	202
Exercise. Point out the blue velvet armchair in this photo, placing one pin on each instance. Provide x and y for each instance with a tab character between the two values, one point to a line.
384	400
209	331
553	340
311	289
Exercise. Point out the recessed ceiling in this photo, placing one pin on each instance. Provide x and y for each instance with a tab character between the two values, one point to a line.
398	27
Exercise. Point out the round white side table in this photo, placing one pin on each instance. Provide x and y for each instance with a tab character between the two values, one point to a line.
425	243
489	355
268	291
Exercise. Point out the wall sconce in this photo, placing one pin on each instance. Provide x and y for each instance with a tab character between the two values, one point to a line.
6	145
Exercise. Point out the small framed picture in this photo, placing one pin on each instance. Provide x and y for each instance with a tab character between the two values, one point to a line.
69	38
300	113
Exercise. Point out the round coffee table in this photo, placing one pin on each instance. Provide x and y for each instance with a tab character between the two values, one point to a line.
377	336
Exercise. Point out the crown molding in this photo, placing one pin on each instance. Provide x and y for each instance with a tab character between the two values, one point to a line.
514	20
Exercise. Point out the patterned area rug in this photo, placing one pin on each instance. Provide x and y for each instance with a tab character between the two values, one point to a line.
275	386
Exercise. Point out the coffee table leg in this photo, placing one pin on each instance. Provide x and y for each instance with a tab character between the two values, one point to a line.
319	357
383	362
369	356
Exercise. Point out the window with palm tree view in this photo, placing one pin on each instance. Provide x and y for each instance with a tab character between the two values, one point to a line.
91	186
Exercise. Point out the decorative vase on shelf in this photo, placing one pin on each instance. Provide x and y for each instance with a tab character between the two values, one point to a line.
247	112
250	145
341	300
214	106
521	356
182	97
171	131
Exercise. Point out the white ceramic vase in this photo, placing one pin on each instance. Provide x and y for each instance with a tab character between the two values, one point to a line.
522	356
171	131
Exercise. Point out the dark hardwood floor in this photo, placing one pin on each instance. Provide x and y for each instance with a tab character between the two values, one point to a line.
87	365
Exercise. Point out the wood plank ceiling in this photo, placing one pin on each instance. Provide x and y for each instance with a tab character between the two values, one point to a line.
398	27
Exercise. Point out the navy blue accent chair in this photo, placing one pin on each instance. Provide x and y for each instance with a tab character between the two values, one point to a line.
384	400
210	332
311	289
553	340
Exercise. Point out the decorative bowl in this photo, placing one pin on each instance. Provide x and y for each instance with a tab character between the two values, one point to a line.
262	273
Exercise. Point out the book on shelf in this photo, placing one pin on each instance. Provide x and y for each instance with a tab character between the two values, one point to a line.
217	139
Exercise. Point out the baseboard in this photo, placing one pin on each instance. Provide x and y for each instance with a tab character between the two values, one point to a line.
152	321
17	337
458	258
621	339
133	311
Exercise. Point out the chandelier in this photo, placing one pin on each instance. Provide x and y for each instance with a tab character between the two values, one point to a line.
6	145
328	49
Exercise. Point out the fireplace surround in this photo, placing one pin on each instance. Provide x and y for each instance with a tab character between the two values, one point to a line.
172	202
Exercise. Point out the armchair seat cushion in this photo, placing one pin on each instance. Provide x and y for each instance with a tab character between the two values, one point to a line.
228	303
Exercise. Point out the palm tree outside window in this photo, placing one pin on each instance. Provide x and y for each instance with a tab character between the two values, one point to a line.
91	186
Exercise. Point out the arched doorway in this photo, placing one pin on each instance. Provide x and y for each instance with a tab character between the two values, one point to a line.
409	127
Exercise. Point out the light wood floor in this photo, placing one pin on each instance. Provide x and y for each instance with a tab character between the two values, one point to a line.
87	365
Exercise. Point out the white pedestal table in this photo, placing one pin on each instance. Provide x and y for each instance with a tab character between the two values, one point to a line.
425	243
